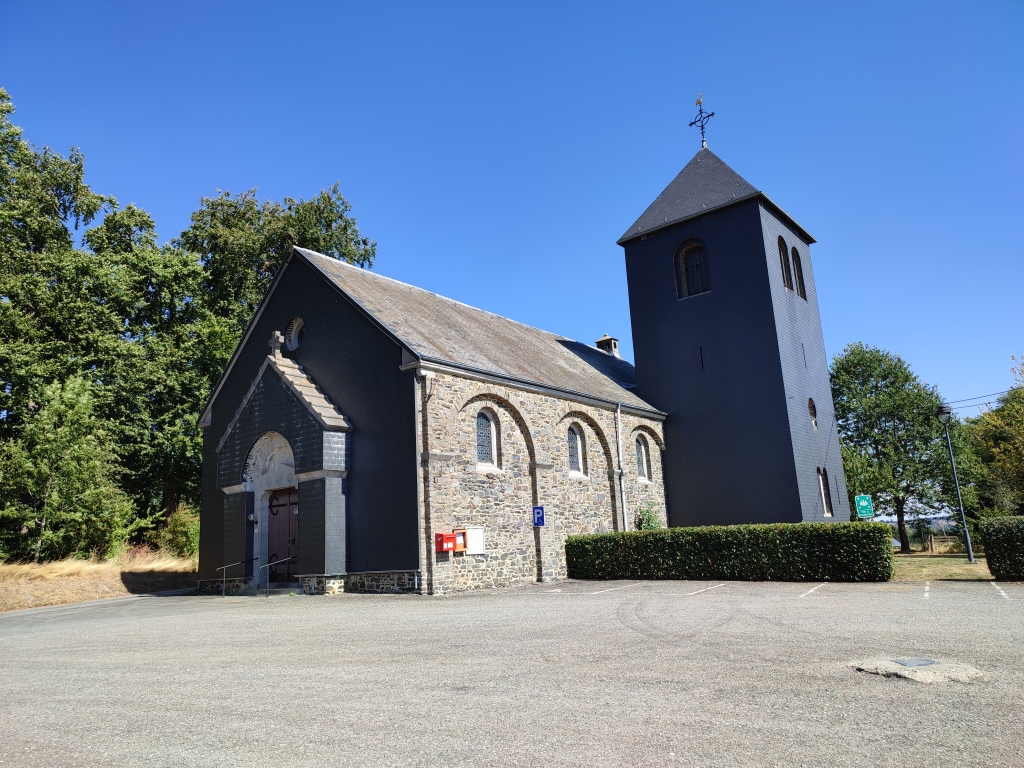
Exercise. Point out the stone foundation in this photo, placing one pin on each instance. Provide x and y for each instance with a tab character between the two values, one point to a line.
233	586
322	585
387	583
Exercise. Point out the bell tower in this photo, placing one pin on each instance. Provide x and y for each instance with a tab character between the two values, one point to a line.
727	340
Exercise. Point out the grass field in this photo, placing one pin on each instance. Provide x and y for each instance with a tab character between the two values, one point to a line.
72	581
925	567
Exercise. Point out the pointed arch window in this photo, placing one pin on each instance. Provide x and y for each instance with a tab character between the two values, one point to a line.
693	275
798	275
813	410
787	270
826	494
643	459
485	439
575	450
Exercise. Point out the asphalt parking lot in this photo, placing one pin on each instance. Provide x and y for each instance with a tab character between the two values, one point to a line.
576	673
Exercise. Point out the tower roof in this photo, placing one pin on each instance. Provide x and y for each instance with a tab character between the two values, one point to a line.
706	183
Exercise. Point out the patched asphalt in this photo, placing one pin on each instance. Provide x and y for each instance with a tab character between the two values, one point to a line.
571	673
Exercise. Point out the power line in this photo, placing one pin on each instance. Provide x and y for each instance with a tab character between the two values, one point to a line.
978	397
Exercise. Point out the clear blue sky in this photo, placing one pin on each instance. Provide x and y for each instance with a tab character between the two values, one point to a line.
497	150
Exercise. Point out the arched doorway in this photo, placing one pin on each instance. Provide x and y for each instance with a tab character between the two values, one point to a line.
269	475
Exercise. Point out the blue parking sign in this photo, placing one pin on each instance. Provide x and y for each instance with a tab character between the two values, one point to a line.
538	517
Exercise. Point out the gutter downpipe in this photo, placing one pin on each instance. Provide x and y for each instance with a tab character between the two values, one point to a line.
618	447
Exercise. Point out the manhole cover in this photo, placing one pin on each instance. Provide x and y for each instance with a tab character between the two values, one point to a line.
916	662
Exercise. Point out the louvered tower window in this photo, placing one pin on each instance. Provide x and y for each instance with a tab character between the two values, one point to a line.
787	271
826	494
693	275
798	275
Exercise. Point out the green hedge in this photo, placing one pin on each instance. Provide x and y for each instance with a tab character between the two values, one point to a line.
776	552
1003	538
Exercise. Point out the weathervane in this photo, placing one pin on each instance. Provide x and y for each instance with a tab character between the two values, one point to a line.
702	119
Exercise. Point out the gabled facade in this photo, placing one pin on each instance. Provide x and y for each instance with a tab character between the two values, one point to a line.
727	340
360	417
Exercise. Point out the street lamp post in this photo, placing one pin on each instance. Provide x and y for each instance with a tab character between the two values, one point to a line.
944	413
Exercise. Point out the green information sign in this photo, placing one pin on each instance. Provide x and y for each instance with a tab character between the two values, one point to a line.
864	508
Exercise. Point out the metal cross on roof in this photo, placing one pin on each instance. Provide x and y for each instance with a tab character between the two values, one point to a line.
701	119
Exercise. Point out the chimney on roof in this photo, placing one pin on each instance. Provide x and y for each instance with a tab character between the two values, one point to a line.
608	345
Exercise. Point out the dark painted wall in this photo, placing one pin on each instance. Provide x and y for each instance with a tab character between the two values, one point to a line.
356	366
729	456
805	374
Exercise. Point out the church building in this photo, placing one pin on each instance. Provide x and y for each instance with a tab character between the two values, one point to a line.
369	435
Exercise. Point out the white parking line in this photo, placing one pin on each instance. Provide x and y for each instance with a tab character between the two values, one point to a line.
704	590
1000	590
612	589
805	594
927	586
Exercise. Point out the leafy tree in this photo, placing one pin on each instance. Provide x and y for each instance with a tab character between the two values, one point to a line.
58	484
177	348
47	296
998	436
148	327
893	447
241	243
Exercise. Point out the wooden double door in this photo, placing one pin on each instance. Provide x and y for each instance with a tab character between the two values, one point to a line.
283	534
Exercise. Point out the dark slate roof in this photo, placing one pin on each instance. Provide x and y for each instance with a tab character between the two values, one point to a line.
706	183
442	330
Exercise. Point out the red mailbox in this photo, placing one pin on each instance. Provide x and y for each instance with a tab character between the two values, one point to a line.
444	542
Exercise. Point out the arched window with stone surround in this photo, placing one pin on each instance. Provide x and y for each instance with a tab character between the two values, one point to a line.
643	458
787	271
575	450
486	439
798	275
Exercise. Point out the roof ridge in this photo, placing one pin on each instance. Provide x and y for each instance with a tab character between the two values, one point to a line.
439	295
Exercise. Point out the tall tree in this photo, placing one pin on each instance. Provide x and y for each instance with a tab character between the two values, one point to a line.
176	345
893	446
48	296
241	243
998	435
148	327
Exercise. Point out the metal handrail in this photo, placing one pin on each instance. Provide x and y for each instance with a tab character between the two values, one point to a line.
224	580
268	572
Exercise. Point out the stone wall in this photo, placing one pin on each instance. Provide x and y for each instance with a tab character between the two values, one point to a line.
532	468
233	586
388	583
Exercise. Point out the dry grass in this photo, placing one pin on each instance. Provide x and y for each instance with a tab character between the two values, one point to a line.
926	567
138	571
